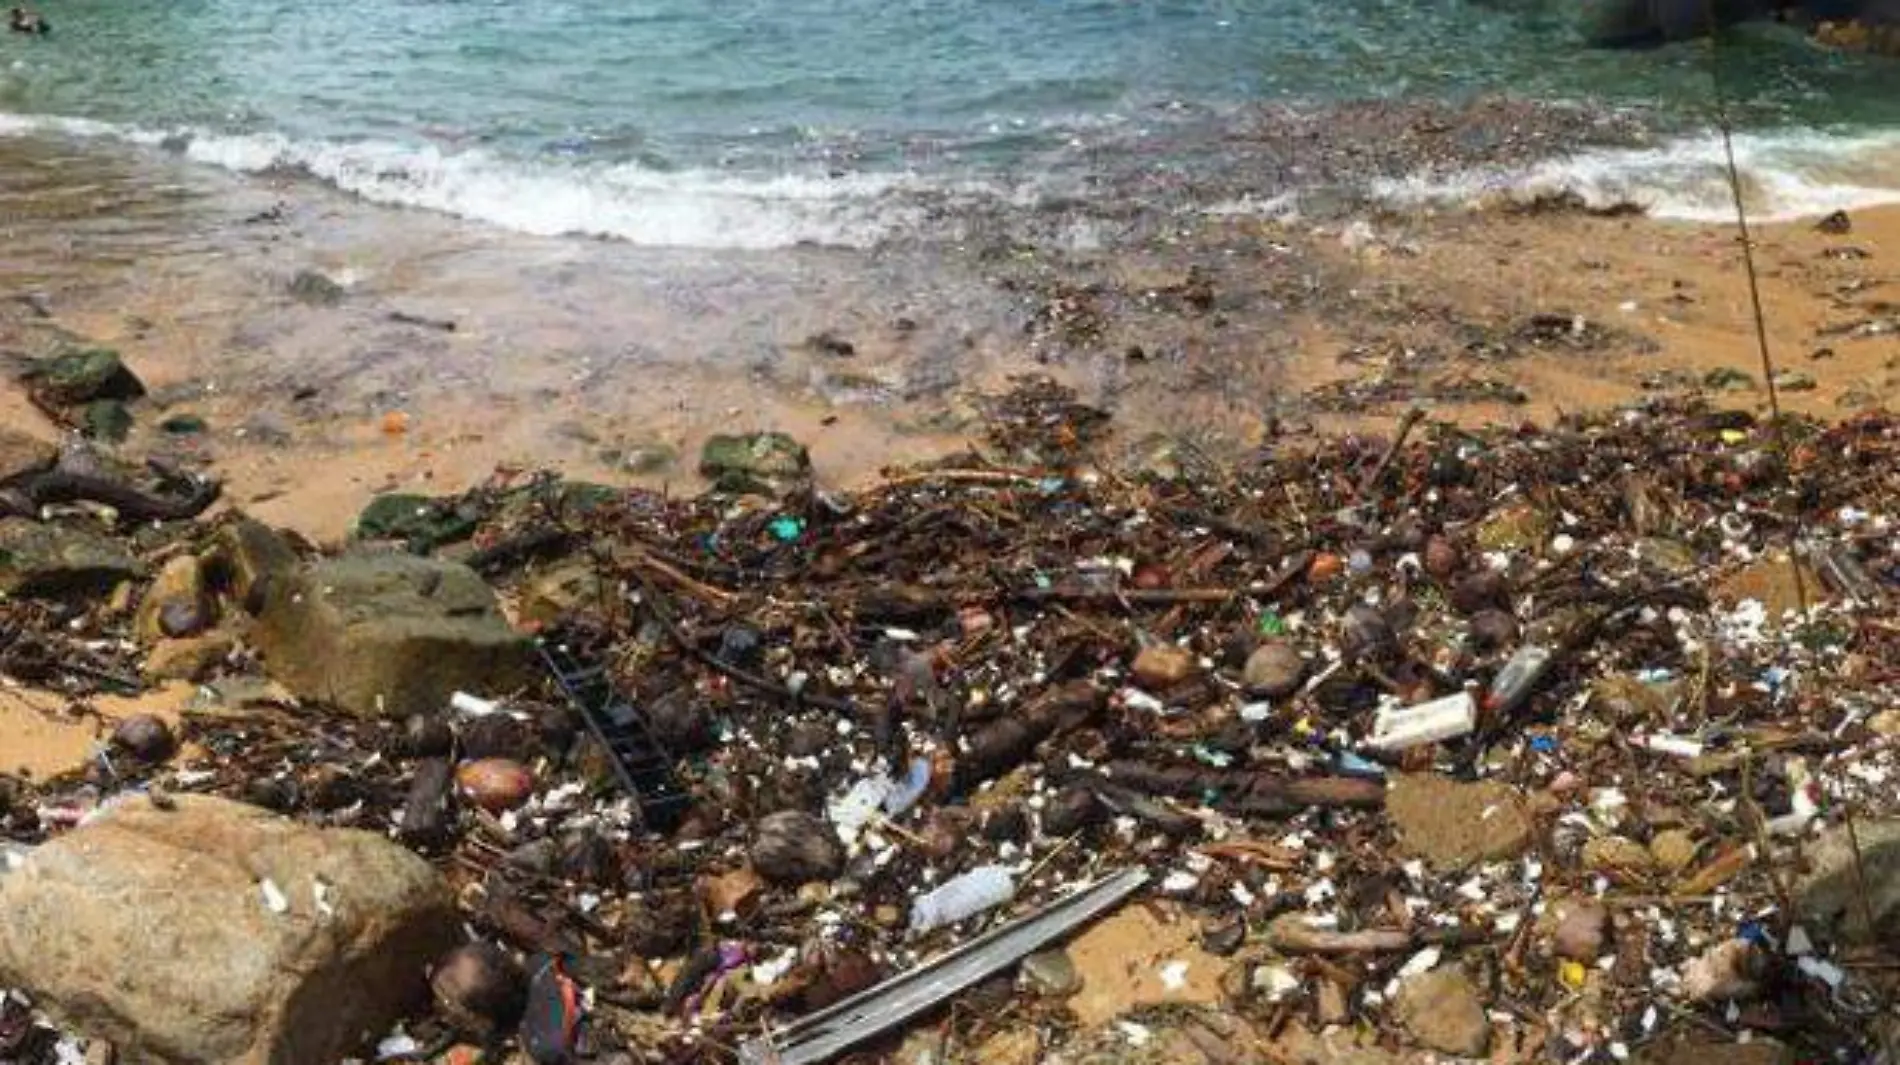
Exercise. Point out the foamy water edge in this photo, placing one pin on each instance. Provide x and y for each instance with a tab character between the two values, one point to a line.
1787	175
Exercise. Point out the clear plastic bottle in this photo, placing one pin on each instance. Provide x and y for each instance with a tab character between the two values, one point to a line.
964	896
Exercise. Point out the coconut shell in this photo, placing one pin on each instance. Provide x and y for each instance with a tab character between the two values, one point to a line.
494	784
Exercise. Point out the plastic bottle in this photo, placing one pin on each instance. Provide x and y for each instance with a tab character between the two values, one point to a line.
858	806
1520	675
964	896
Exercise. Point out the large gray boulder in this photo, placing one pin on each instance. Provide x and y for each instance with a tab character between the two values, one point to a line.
218	934
387	635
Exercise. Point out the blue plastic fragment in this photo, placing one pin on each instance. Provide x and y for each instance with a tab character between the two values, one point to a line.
787	527
1354	766
1544	744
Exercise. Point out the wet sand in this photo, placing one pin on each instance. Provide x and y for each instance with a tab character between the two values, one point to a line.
599	359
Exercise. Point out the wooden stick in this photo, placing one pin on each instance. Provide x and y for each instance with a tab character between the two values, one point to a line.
1135	596
965	476
1412	417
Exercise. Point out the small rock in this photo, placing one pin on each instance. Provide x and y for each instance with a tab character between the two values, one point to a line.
314	289
246	558
1008	824
1829	895
1728	379
176	605
146	738
1366	632
1795	381
1582	932
1441	558
1480	591
1162	666
1072	810
1051	973
494	784
681	722
192	659
52	561
1493	630
1838	224
1617	856
1729	971
1674	850
1223	938
830	343
1452	824
792	847
23	456
1441	1009
1885	723
480	990
75	378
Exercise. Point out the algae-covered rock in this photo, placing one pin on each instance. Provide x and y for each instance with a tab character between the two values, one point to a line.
50	561
82	376
758	463
421	522
107	420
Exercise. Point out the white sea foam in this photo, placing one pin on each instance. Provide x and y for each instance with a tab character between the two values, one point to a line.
1785	175
687	208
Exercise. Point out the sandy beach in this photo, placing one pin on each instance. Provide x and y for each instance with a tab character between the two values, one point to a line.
1327	327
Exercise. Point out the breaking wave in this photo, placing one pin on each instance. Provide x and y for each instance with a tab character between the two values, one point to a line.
1785	175
621	200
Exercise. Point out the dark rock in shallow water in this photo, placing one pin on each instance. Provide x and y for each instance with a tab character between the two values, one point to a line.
315	289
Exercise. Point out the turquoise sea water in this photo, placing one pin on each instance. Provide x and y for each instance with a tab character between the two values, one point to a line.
743	121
